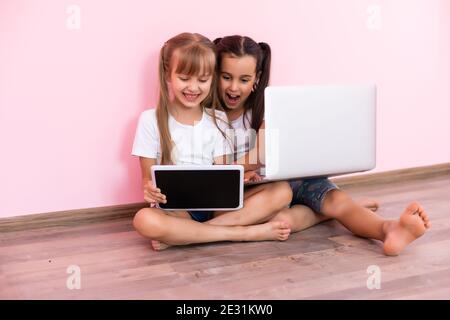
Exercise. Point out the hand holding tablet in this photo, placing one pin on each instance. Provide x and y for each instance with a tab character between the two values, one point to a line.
153	194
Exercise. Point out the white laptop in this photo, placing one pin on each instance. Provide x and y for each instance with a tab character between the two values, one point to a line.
314	131
200	187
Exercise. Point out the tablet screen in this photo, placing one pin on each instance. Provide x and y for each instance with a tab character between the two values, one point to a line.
199	189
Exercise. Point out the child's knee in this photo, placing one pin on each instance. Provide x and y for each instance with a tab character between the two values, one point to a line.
149	223
282	193
283	216
336	203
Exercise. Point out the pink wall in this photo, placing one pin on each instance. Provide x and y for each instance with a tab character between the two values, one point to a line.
69	99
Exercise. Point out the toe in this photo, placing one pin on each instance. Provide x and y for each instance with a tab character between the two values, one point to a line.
412	208
155	245
424	215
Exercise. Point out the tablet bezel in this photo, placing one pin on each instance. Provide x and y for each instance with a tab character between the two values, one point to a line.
240	168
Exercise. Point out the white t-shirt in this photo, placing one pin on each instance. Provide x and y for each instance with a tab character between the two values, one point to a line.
193	145
244	135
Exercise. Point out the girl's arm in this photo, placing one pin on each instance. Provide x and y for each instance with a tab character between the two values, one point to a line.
151	193
256	153
146	164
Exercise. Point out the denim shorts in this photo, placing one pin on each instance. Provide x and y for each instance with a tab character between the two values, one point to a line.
201	216
311	192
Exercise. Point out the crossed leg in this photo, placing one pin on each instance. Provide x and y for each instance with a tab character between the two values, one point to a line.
261	203
163	232
178	229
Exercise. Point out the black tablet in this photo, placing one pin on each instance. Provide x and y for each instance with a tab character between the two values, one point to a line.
202	187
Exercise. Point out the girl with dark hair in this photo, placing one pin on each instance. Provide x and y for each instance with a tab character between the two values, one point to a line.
244	70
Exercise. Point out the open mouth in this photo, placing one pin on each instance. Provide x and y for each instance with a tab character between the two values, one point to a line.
190	96
232	99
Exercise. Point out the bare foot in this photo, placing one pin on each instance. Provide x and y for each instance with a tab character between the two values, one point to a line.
272	230
370	204
158	245
412	224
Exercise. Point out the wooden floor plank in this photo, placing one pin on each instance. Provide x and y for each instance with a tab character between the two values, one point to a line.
323	262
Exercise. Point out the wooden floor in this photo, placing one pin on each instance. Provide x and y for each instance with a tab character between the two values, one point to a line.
323	262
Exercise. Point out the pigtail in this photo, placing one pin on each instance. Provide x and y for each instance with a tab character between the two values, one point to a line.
263	74
162	113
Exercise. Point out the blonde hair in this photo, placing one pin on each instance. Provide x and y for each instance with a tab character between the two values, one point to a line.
196	56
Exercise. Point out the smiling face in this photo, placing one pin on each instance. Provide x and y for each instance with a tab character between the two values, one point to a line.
236	81
189	88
